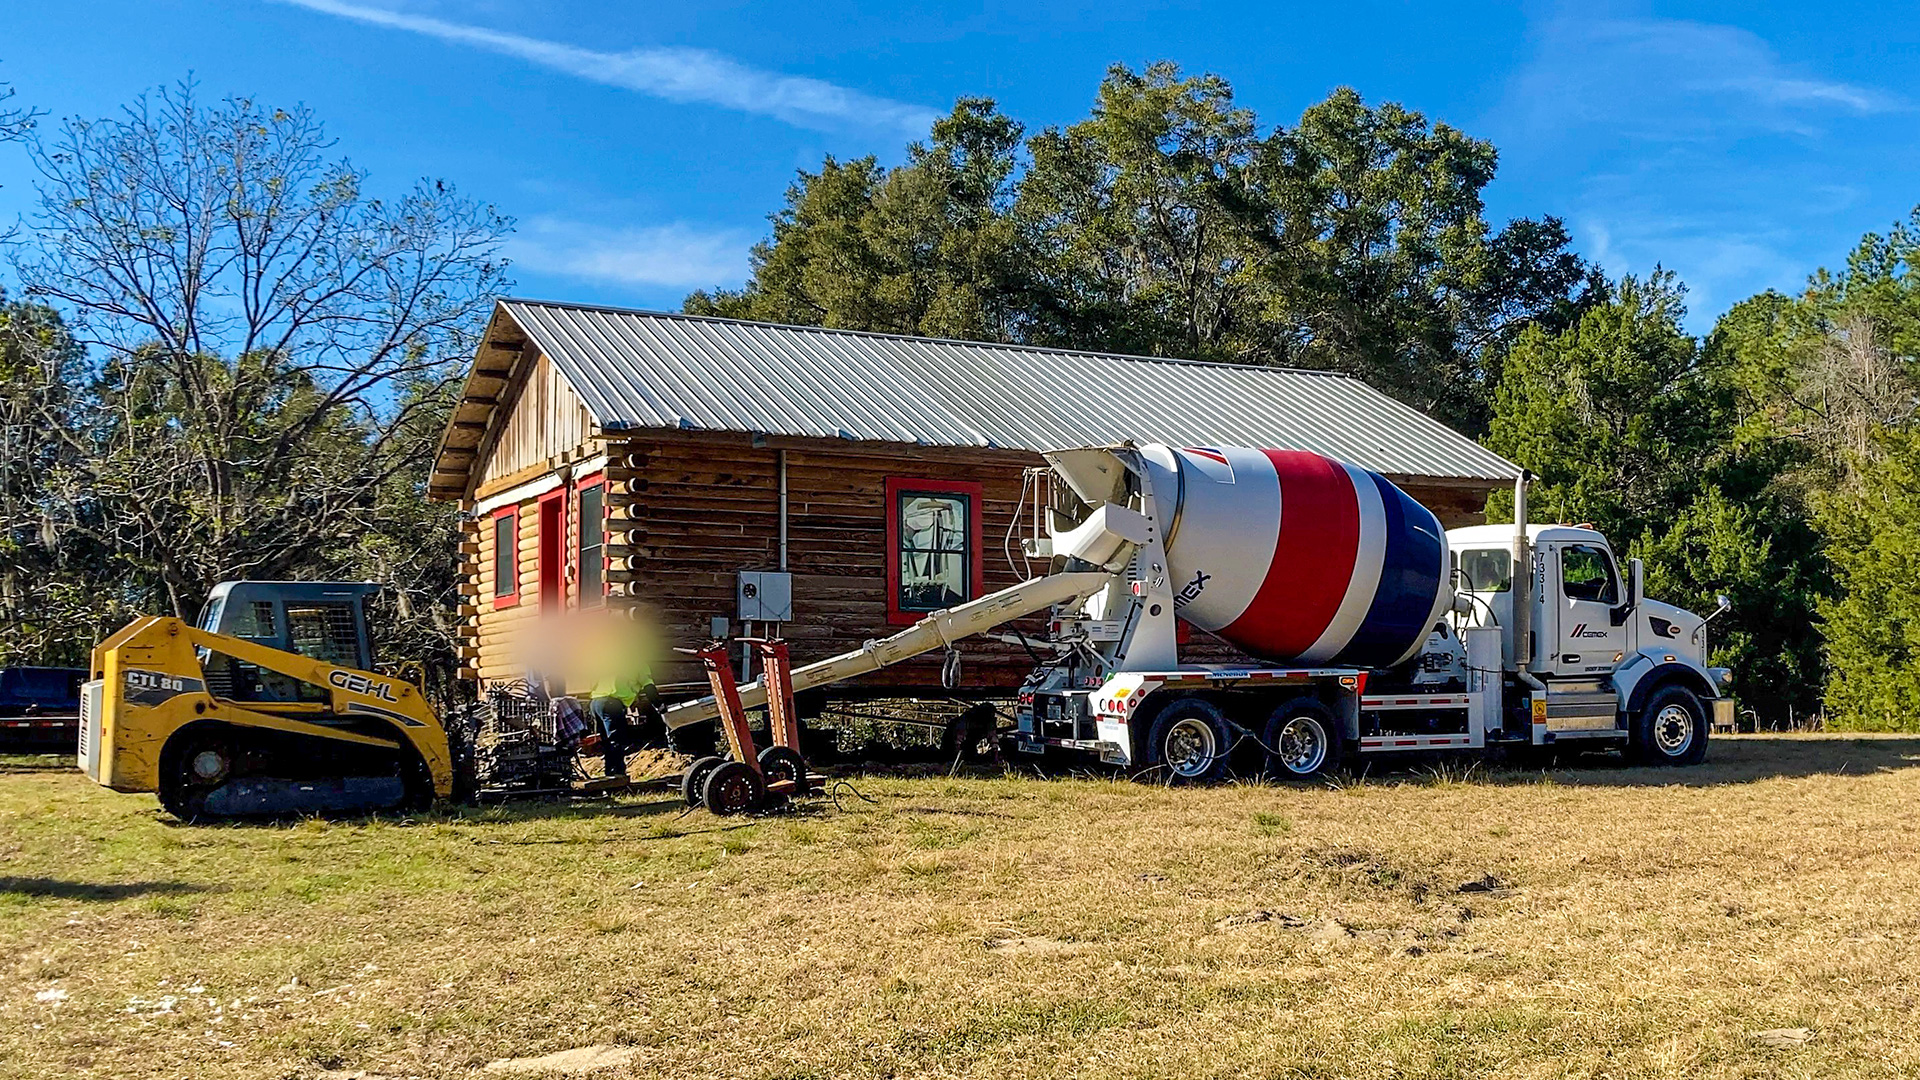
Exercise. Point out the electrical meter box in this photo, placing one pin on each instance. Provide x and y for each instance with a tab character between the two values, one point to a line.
766	596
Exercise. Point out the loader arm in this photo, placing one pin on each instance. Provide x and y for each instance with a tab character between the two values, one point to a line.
149	683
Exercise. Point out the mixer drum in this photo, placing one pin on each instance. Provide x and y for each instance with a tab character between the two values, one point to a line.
1297	558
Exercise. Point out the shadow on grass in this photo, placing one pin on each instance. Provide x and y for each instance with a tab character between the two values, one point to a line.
1730	760
87	890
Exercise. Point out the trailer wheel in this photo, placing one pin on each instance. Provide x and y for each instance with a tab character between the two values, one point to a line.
784	763
1303	740
1189	742
693	785
734	787
1671	729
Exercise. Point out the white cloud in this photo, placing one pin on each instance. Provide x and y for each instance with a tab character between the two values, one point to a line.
1679	80
672	256
676	74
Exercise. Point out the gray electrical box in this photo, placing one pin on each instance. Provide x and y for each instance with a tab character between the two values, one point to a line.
766	596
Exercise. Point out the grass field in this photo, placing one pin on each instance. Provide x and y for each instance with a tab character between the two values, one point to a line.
1599	922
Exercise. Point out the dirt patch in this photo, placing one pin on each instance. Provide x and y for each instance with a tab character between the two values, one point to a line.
1025	944
1255	918
580	1059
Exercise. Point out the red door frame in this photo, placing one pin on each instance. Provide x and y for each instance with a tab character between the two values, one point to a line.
553	550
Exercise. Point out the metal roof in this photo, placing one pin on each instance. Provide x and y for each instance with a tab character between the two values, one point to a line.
641	369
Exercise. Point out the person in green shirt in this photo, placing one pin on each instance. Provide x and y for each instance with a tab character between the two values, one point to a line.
614	698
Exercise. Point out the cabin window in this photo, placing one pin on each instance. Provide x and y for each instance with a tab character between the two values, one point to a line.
933	533
1488	570
1586	573
591	554
506	557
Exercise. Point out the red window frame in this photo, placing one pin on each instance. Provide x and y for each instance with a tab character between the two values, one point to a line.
591	480
511	597
976	569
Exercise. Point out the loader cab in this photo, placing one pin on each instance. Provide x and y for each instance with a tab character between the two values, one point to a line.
321	620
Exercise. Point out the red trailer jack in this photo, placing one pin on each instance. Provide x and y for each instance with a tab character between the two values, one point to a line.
744	781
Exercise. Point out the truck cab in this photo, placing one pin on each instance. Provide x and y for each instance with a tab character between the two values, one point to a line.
1599	648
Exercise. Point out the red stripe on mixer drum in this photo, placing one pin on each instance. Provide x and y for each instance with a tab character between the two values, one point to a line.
1312	559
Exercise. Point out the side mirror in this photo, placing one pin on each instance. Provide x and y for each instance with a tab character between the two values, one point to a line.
1636	586
1724	603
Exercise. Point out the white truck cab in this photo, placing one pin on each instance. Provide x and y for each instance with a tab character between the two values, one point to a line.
1598	649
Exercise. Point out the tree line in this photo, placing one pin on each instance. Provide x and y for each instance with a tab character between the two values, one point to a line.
226	357
1771	460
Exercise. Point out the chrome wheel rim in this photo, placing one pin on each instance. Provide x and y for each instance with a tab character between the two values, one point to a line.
1673	730
1190	747
1302	746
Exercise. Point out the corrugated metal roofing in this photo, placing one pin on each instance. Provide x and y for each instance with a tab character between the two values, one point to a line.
638	369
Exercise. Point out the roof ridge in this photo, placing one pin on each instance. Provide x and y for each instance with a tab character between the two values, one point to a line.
1016	346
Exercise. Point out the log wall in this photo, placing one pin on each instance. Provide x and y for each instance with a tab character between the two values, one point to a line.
688	511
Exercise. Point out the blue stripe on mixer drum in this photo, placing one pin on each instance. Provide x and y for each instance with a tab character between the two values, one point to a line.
1409	577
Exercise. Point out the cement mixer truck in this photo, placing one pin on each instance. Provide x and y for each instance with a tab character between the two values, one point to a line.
1368	629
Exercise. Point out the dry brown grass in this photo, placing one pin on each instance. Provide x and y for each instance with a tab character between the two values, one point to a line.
1616	923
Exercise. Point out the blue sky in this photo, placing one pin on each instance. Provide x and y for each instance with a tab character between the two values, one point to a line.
640	146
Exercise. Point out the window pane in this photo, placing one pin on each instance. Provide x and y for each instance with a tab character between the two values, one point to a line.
592	552
1487	570
933	522
1587	574
506	574
935	563
324	630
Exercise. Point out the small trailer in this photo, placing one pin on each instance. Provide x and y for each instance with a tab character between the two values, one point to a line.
40	707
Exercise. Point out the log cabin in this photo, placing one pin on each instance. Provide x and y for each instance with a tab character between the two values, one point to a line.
730	478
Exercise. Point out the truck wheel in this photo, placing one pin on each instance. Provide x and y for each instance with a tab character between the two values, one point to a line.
1671	729
1303	740
1189	742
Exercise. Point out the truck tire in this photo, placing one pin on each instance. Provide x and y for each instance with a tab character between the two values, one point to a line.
1671	729
1188	743
1303	740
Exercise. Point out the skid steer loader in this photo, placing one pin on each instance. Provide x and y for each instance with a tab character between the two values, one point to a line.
269	706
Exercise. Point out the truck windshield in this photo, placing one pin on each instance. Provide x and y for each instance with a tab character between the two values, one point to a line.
1487	569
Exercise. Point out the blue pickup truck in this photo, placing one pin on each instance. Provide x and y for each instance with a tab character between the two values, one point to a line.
40	707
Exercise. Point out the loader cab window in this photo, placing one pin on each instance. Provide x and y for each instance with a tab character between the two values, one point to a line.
1487	570
933	531
325	630
1586	573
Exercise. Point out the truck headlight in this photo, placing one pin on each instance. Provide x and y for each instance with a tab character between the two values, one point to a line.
1722	677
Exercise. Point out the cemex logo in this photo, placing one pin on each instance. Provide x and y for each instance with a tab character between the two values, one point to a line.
1582	631
1191	590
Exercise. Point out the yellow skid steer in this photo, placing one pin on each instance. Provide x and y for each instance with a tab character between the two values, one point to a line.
268	707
